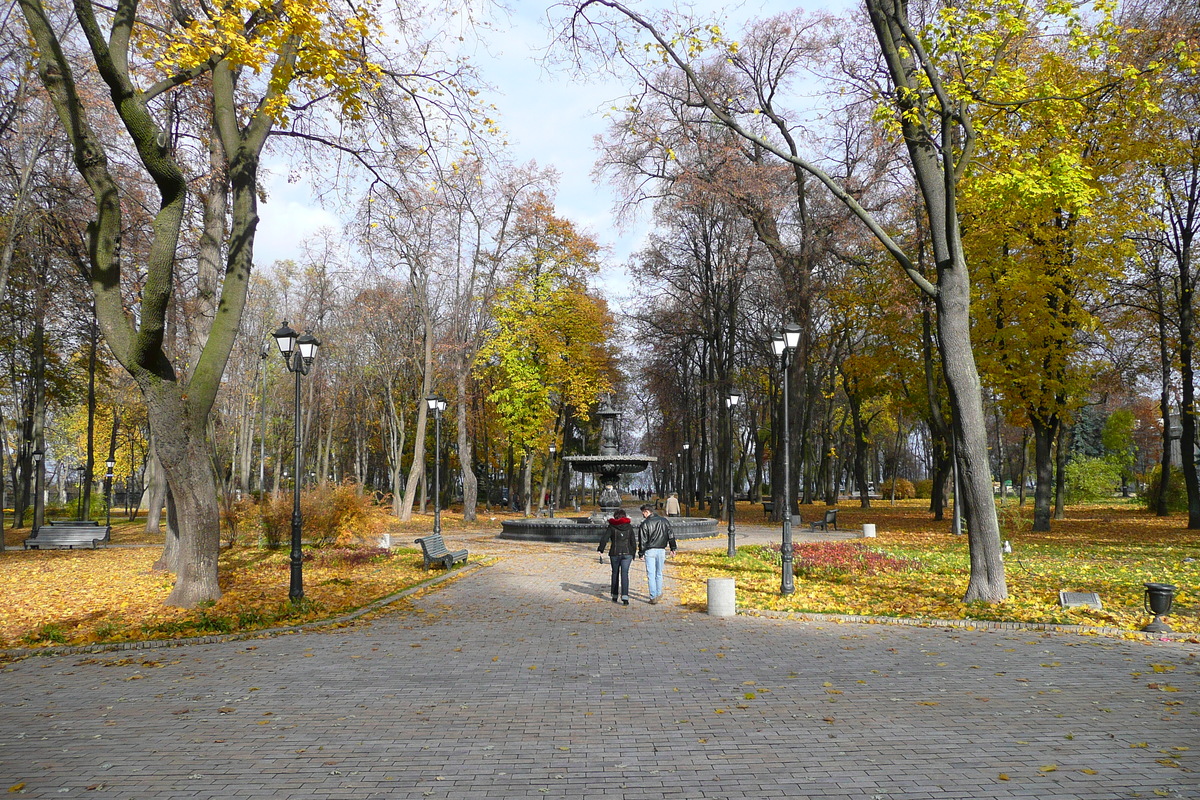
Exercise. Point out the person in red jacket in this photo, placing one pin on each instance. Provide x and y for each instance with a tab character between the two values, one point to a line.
622	541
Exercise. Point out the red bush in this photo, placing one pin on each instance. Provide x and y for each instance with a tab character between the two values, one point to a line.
813	559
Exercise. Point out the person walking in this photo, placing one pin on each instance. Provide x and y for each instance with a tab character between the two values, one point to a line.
654	536
673	505
622	545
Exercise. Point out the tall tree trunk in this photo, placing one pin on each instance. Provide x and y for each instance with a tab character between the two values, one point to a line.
1187	415
417	470
1062	455
1161	507
1044	431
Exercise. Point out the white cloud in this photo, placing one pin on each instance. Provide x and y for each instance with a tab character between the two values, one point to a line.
289	216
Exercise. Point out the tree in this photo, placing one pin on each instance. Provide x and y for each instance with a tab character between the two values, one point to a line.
549	350
245	69
937	131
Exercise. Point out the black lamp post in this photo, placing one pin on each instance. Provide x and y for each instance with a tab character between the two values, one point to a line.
108	480
298	353
553	479
731	403
38	508
783	344
437	405
685	467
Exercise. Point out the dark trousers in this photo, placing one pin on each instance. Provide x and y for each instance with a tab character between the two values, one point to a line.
620	574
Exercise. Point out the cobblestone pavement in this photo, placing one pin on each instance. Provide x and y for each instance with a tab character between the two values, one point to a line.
521	679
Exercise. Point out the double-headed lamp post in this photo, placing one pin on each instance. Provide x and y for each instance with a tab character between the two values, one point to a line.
108	480
553	479
783	343
689	488
298	352
436	406
731	402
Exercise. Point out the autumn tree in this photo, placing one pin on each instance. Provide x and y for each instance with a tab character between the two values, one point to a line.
548	353
244	71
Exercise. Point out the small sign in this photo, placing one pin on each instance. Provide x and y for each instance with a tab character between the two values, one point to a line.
1077	599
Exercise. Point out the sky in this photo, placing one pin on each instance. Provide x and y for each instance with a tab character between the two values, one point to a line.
549	116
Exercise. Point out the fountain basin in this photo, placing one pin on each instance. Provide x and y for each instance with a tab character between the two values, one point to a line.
587	530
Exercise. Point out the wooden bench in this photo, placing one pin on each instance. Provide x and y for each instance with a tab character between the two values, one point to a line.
69	535
434	548
823	524
768	507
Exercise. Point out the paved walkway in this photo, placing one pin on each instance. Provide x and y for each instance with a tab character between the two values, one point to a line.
522	680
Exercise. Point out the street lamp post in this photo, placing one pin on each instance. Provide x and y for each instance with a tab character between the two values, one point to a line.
553	479
731	403
437	405
108	481
783	344
298	353
689	487
38	508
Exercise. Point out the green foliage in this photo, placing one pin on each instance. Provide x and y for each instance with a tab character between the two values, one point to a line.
1117	438
53	633
904	489
1091	479
923	489
549	346
1176	490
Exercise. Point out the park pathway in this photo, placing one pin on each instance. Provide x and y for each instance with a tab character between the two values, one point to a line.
521	680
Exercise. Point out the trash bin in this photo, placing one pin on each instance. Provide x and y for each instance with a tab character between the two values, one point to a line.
721	598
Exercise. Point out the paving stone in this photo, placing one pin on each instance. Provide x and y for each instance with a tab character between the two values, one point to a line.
521	679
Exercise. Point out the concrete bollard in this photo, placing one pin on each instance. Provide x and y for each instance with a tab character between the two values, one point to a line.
385	541
868	530
721	599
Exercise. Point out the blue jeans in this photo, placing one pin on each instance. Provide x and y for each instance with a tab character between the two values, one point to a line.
620	574
655	559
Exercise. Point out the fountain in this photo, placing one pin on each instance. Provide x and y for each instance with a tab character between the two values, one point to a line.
610	464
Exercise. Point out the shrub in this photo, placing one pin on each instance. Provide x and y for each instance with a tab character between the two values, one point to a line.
350	556
904	489
1176	490
331	513
923	489
1091	479
836	559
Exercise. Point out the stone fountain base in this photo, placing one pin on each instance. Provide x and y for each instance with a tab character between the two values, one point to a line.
588	530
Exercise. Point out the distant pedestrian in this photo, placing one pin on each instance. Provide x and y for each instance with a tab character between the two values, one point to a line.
623	545
654	536
673	505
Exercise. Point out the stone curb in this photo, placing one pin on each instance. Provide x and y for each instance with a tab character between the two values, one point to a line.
153	644
972	624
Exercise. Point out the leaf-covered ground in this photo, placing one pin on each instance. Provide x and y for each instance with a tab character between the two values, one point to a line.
114	595
1111	550
81	597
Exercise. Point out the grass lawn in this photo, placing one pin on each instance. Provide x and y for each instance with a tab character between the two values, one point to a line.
1111	550
114	595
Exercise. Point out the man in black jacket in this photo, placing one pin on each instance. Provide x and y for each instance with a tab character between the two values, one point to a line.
654	536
